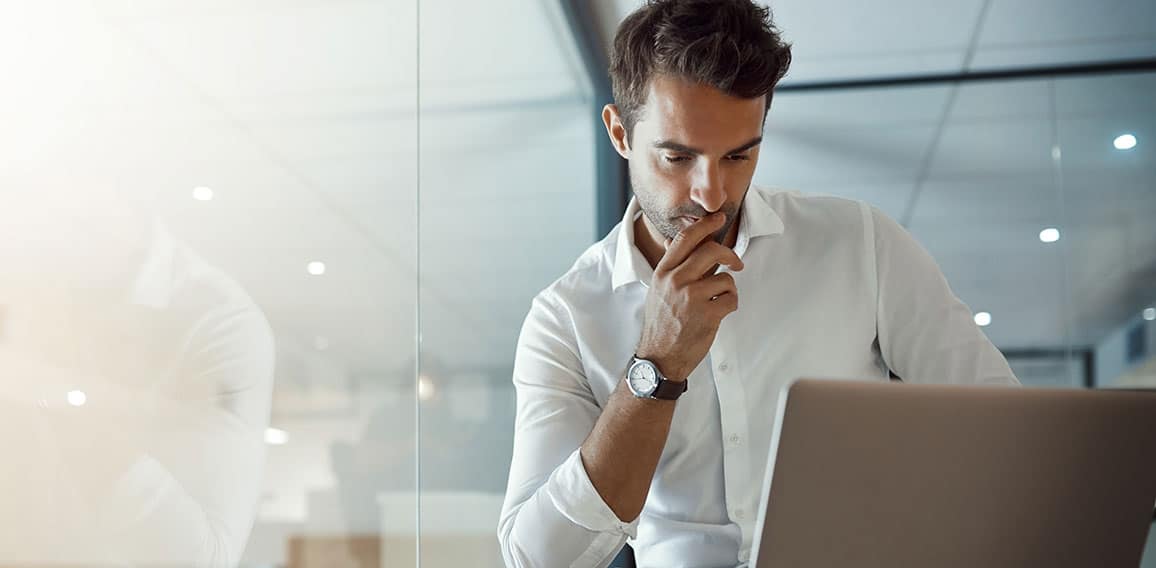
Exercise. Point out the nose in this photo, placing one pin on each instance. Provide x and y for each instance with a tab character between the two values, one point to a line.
707	187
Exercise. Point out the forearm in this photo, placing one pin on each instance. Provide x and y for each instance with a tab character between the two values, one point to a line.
623	450
685	304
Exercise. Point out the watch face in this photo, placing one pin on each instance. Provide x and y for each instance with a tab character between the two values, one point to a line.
643	378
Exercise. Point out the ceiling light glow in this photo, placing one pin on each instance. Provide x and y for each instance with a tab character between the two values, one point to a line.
1124	142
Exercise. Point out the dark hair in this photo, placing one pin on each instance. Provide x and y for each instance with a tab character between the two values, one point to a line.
731	45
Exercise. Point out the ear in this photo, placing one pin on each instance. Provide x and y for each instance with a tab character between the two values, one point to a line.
617	132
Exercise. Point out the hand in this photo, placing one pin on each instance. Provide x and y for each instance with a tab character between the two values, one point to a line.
687	301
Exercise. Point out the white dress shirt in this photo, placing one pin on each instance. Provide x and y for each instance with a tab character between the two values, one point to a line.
831	288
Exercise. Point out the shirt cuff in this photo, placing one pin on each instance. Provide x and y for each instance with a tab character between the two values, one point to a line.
574	496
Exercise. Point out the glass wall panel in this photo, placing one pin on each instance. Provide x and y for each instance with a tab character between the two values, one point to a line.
207	313
507	205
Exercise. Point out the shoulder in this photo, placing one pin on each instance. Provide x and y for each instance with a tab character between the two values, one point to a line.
218	315
792	205
820	219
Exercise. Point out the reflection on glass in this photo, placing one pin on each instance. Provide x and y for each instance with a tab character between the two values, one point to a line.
161	163
135	381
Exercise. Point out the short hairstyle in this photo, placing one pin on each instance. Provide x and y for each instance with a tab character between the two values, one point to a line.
731	45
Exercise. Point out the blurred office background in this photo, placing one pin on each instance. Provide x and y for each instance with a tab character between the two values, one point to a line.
364	196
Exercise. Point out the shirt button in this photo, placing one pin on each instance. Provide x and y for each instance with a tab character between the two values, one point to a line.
736	439
739	514
723	367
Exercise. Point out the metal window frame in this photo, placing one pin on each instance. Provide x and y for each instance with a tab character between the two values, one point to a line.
611	175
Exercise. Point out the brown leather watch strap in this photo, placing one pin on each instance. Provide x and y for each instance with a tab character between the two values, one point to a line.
669	390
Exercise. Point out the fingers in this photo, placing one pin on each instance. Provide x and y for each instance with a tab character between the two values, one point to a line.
683	244
717	293
705	260
725	304
713	287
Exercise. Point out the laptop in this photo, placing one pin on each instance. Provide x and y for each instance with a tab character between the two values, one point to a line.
870	474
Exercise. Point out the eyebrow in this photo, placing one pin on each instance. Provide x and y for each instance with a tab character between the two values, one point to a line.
684	149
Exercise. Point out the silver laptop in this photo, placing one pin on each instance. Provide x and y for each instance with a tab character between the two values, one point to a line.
875	474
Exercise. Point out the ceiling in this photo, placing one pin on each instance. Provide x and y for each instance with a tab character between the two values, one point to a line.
839	39
303	117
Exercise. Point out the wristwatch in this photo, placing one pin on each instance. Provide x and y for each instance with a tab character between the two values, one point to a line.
646	381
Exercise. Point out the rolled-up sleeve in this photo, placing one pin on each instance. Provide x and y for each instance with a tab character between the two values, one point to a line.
552	515
926	334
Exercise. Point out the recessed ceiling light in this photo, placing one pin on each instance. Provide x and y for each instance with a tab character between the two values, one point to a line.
983	319
276	437
77	398
203	193
425	388
316	268
1050	235
1124	142
1150	314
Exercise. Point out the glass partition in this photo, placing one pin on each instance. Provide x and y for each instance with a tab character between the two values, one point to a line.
507	205
208	310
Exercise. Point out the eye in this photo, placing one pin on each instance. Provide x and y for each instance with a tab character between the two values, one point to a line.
675	159
738	157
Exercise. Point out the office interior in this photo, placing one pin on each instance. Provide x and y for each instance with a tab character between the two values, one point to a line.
358	199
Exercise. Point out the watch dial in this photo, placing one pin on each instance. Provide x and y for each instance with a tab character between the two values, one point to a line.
643	378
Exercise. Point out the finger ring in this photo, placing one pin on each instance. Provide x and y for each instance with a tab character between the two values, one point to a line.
713	298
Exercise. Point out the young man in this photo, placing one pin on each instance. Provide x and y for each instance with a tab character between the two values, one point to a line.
648	375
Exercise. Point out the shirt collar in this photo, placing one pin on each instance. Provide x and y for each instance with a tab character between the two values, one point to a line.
629	264
758	219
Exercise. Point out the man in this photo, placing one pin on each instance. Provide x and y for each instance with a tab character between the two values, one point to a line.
648	375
